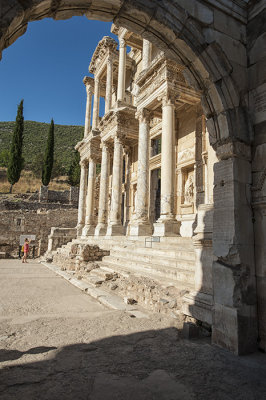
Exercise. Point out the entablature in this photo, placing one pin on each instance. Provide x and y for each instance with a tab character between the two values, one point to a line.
163	77
122	123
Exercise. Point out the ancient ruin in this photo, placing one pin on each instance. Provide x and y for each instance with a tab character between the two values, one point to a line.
182	152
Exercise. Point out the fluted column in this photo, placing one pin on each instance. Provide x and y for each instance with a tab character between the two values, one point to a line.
146	54
141	225
82	196
109	84
89	91
167	225
115	225
122	70
103	199
89	227
96	104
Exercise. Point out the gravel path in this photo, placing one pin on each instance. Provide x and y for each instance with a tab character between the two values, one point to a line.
58	343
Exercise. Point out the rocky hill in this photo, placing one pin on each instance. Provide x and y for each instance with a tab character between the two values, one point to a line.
35	136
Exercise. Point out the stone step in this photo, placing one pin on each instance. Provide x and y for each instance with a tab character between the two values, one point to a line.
149	269
182	254
162	282
134	256
102	274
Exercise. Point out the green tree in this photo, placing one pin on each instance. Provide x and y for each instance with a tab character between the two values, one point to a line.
4	158
15	164
74	170
48	156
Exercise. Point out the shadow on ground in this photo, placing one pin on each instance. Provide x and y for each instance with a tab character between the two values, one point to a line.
153	365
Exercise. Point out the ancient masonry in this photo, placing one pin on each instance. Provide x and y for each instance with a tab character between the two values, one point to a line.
182	148
34	215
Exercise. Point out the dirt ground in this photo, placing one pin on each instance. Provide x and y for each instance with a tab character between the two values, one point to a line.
58	343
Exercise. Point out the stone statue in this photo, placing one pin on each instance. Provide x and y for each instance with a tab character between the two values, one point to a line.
188	195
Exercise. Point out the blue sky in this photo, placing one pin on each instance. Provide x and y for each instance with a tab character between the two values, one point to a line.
46	67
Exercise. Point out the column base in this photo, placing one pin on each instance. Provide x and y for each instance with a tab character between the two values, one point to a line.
88	230
166	227
100	230
79	229
140	229
198	305
115	230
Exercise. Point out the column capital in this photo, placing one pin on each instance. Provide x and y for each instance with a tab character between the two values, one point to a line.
119	138
122	42
96	80
110	59
105	146
167	99
143	115
89	90
84	163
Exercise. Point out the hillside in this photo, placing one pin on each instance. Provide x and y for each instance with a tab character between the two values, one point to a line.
35	136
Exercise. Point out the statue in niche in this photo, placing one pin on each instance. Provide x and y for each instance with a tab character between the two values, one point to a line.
188	192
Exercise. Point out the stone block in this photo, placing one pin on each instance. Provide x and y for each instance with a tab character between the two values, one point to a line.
256	74
140	230
261	291
234	330
166	228
199	11
190	330
226	23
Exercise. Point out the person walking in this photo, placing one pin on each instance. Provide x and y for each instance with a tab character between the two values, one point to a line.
26	250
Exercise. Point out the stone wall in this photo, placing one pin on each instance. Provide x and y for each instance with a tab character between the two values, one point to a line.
256	32
70	196
32	221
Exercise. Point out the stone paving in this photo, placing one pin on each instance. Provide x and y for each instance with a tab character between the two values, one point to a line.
58	343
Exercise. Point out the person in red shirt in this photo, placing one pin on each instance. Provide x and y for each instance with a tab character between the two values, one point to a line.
26	250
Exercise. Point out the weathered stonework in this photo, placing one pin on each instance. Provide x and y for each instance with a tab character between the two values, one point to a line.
25	218
217	48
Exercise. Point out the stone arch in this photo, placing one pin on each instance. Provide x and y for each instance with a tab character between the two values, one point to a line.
189	37
169	26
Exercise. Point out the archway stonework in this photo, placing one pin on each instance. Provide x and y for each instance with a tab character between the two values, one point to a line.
215	60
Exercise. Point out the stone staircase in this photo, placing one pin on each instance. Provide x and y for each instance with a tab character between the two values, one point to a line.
155	277
171	261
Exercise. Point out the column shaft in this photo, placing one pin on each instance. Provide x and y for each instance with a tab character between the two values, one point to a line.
122	70
109	85
146	54
82	197
141	226
96	104
103	199
167	224
115	226
88	112
89	221
167	168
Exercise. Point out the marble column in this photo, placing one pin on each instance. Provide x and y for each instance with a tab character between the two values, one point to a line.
141	225
122	70
167	225
89	227
109	84
115	227
146	54
82	196
88	110
103	199
96	104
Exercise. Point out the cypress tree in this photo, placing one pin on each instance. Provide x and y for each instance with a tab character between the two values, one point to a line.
15	163
74	170
48	156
